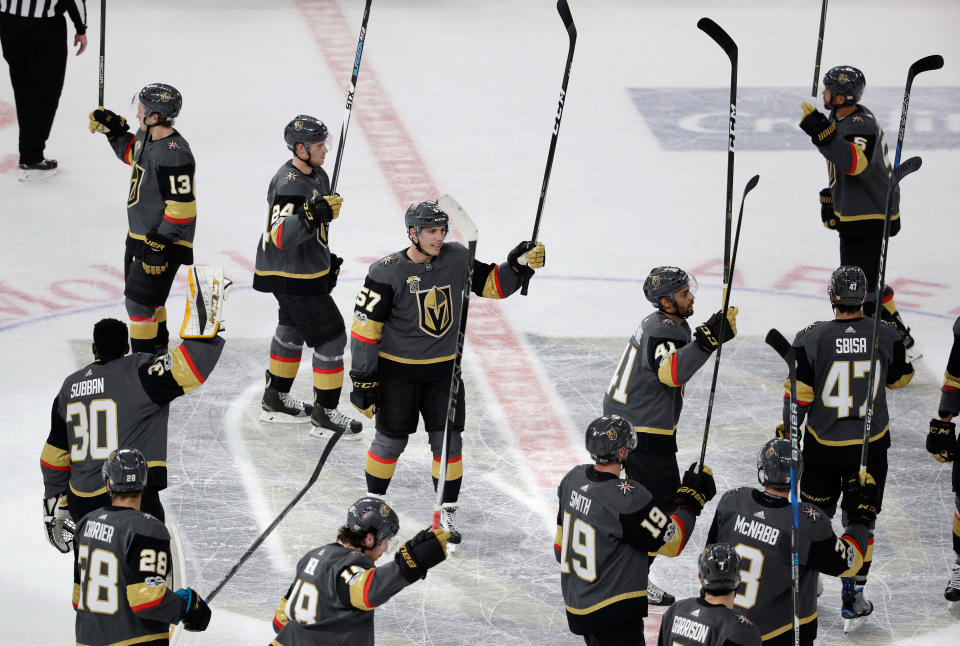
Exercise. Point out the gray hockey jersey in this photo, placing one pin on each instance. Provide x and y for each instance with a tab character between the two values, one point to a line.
694	622
950	391
606	528
647	387
331	602
407	314
758	525
161	195
858	168
833	370
292	259
122	403
121	560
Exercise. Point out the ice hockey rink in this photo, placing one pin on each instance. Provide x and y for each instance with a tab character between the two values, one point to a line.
459	97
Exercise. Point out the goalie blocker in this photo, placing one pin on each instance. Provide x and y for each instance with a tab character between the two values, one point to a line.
206	291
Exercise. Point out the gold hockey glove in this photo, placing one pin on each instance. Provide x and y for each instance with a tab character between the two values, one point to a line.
817	125
108	122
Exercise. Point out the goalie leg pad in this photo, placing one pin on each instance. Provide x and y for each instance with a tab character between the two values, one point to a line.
207	289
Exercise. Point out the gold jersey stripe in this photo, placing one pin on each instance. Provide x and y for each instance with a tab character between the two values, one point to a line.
358	597
140	593
902	381
55	457
287	274
415	361
327	380
182	243
280	616
655	431
454	470
804	392
284	369
368	329
859	440
606	602
382	470
183	370
865	216
950	381
491	288
783	629
180	212
88	494
144	329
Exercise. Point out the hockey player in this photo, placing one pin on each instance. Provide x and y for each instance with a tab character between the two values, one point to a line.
759	522
647	387
833	370
295	263
606	528
710	619
853	144
942	443
123	400
161	208
338	586
404	340
121	561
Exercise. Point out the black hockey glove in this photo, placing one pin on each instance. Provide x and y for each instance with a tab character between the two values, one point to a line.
783	432
154	259
422	552
365	391
942	441
709	334
527	256
334	275
108	122
827	213
320	208
817	125
196	615
697	489
57	522
861	499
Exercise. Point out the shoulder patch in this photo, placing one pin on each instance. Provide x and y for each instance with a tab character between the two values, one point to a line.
386	260
742	619
625	487
812	512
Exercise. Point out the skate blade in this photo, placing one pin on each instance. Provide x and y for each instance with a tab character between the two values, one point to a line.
850	625
326	434
282	418
36	175
914	355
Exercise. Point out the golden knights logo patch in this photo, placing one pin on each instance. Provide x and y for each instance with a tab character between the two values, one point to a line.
435	306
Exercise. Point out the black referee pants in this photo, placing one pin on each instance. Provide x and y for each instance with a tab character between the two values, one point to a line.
36	51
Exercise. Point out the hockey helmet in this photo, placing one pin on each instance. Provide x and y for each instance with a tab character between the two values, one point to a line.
666	281
848	286
304	129
161	98
371	514
424	214
773	464
845	81
606	435
126	470
719	568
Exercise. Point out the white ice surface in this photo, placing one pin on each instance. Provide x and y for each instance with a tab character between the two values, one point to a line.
474	87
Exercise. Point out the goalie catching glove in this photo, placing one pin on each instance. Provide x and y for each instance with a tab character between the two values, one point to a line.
108	122
697	489
57	523
207	289
942	441
365	391
425	550
817	125
711	334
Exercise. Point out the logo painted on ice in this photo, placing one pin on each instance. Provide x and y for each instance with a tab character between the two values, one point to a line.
693	118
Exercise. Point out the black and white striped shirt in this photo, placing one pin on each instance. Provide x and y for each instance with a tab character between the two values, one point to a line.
48	9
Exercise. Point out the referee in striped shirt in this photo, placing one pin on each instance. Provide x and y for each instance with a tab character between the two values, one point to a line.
34	38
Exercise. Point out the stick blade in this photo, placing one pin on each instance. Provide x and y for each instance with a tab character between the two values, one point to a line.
716	32
778	342
905	168
459	216
751	184
925	64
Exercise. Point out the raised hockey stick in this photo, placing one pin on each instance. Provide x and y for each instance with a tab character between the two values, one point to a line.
564	10
783	347
276	521
103	45
816	65
729	47
353	88
925	64
723	321
469	230
897	174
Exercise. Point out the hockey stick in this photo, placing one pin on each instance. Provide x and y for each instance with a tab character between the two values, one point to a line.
729	47
469	230
353	88
783	347
723	321
276	521
897	174
564	9
925	64
103	45
816	66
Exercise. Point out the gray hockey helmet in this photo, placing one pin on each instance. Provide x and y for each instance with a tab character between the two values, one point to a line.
606	435
848	286
371	514
845	81
304	129
666	281
719	568
161	98
126	470
773	464
424	214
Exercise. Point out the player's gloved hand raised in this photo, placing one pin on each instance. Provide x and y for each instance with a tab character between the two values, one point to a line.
827	214
57	522
526	257
108	122
154	259
942	440
320	208
817	125
334	275
365	391
861	498
697	489
196	615
711	334
422	552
